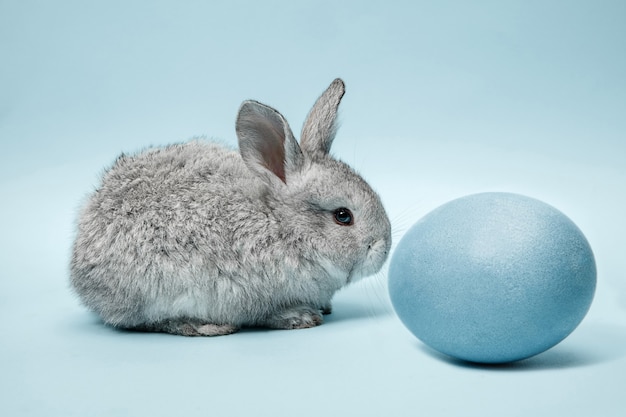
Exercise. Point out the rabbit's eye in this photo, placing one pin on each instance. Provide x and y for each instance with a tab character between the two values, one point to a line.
343	217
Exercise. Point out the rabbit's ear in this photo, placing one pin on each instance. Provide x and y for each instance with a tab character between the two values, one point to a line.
320	126
266	142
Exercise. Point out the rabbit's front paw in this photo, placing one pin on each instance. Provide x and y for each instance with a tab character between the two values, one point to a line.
327	309
301	317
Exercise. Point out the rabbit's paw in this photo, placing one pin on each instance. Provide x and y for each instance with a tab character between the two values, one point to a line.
327	309
188	327
215	329
301	317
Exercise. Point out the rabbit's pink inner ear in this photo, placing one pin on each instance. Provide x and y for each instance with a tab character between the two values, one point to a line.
264	136
272	153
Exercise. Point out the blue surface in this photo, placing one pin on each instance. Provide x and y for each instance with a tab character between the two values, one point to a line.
492	278
444	99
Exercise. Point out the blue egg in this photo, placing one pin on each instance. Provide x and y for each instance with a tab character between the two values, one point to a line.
492	278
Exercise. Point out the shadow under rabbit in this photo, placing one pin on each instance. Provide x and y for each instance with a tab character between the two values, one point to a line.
343	311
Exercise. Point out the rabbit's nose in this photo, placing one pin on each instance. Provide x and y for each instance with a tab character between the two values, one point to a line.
379	246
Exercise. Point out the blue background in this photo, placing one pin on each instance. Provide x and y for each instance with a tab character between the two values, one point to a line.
443	99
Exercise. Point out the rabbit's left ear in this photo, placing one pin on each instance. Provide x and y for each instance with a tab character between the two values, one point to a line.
320	126
266	142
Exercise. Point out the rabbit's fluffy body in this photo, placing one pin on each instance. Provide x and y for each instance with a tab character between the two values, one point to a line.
198	239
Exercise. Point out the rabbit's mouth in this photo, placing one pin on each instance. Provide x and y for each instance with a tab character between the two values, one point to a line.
368	264
371	263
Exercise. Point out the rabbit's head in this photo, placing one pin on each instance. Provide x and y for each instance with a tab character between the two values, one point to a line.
324	207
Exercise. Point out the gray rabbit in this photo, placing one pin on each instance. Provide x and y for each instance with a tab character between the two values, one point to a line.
199	240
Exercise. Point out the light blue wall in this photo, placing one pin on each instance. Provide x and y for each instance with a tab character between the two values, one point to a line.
444	98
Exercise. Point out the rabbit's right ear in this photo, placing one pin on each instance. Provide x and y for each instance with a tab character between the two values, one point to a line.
266	142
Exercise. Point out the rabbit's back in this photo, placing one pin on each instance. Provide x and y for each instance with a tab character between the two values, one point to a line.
159	221
161	174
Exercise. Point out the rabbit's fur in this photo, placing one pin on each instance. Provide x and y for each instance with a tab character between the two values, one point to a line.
197	239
